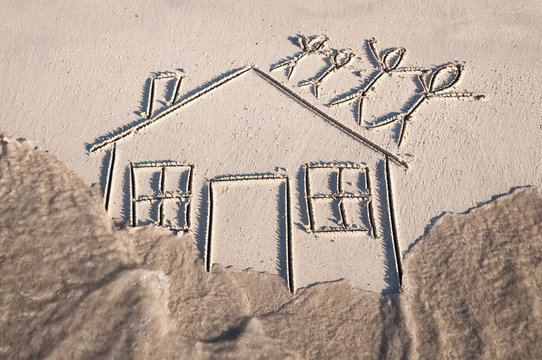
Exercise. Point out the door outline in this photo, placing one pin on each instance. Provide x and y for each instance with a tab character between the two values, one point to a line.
288	218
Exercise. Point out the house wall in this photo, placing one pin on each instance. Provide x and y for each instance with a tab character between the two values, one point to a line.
250	136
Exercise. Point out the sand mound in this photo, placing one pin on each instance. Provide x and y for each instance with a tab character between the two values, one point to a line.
474	282
75	286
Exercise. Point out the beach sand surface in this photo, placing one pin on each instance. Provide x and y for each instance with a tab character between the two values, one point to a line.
74	285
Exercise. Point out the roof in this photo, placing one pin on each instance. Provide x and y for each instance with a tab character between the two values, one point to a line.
109	140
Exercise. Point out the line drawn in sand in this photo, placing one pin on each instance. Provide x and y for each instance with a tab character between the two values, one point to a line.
134	128
109	181
393	224
387	61
309	45
329	119
434	83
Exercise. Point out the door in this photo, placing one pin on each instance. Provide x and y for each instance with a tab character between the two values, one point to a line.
249	223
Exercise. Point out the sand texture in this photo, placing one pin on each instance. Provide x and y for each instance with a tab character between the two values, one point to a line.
473	284
313	140
75	286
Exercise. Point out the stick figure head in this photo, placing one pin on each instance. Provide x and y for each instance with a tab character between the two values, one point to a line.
443	77
312	44
392	58
340	58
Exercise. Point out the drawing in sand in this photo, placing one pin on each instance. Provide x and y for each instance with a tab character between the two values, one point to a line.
309	45
434	83
387	63
230	202
338	59
296	189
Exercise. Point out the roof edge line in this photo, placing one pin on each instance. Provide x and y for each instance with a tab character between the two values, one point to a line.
334	122
168	111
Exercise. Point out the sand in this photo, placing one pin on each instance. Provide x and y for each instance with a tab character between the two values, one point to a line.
76	286
320	143
77	74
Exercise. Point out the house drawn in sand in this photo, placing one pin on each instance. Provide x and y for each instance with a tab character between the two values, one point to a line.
263	179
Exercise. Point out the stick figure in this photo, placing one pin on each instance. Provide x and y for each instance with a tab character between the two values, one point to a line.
434	83
387	62
338	59
308	45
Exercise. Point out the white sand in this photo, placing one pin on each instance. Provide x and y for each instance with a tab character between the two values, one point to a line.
72	73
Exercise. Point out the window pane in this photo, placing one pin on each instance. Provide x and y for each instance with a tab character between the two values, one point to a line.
354	181
147	212
177	178
356	213
166	183
322	181
175	212
326	214
147	181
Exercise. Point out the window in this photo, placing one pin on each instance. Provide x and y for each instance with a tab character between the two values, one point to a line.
161	194
339	198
